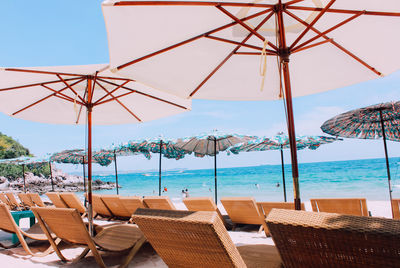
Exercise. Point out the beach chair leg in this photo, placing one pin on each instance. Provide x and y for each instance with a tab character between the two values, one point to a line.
133	252
10	246
234	227
81	256
49	250
261	229
96	254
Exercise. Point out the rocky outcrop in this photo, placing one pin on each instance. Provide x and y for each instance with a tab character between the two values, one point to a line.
63	182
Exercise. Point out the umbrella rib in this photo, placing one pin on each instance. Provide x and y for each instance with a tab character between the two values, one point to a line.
93	88
114	98
188	3
40	72
108	94
45	98
70	87
336	44
39	84
346	11
60	95
311	46
323	11
190	40
238	43
231	54
328	31
80	108
119	102
146	95
254	53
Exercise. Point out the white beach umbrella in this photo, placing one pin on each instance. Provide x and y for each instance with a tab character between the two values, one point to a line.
63	94
241	50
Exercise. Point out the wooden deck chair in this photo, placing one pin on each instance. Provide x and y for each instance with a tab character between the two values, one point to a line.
72	201
396	209
348	206
243	210
310	239
4	200
13	202
99	208
131	203
56	199
35	197
25	199
202	204
67	224
266	207
115	205
199	239
158	202
8	225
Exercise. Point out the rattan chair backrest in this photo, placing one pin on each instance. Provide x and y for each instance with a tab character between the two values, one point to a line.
158	202
396	208
13	200
25	199
99	207
36	199
132	203
310	239
189	239
202	204
72	201
56	199
115	205
7	222
65	223
4	199
348	206
242	210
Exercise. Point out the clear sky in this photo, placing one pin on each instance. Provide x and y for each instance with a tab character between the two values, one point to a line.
45	33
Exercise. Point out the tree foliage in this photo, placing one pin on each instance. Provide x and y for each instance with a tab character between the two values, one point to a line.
10	148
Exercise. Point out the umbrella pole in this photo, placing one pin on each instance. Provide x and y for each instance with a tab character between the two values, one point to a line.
116	171
284	59
51	177
23	176
89	153
159	171
84	179
215	170
387	159
283	175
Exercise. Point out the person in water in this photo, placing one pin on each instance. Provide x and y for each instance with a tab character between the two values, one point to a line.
187	192
277	184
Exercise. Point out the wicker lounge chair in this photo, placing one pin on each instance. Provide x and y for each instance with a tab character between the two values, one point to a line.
266	207
67	225
202	204
8	225
100	208
72	201
348	206
35	197
158	202
243	210
396	208
56	199
309	239
25	200
131	203
14	204
115	205
199	239
4	200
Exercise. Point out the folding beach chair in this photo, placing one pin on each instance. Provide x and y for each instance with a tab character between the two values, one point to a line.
4	200
67	224
56	199
396	209
202	204
72	201
243	210
310	239
199	239
115	205
36	199
8	225
348	206
158	202
266	207
15	205
100	207
25	199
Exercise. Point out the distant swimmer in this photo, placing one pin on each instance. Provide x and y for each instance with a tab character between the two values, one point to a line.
257	185
277	185
209	189
165	189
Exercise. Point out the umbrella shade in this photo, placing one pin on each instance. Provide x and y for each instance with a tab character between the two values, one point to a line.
76	156
244	50
372	122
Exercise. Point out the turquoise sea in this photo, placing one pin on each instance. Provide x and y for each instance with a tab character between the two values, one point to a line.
355	178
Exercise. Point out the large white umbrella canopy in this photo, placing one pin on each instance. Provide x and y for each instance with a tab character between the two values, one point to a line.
243	50
88	94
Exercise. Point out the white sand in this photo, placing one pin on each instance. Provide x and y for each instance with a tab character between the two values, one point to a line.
146	257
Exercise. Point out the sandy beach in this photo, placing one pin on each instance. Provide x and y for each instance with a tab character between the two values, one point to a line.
146	257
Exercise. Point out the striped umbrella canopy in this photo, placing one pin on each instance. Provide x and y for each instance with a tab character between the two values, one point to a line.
211	144
372	122
280	142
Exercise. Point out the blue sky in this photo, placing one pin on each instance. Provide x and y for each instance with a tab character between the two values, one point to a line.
44	33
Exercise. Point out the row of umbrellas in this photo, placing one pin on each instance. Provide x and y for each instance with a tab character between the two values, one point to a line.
213	58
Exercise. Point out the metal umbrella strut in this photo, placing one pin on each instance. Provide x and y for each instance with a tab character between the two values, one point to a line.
228	50
211	144
372	122
280	142
58	94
